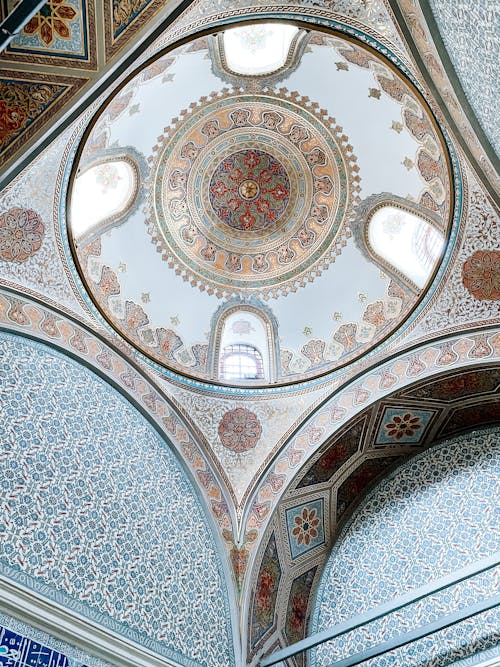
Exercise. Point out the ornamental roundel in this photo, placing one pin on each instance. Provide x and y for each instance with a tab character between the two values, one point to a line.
21	234
481	274
249	190
239	430
251	193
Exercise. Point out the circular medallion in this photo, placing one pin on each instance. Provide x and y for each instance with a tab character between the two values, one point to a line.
251	192
21	234
239	430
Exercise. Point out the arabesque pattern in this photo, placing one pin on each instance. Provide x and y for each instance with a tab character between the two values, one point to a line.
95	489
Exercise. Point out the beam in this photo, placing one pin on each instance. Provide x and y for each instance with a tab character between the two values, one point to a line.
420	632
17	19
384	609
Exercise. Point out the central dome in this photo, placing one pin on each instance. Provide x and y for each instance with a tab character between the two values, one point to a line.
250	190
265	227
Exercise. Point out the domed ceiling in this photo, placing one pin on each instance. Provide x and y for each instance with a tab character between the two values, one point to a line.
298	208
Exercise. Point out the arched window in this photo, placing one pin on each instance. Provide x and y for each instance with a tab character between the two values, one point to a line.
402	237
102	193
258	49
244	342
408	242
241	362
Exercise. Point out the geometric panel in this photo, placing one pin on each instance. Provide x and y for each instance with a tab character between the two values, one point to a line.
61	33
471	416
460	385
335	456
353	487
305	527
123	18
26	104
403	425
296	615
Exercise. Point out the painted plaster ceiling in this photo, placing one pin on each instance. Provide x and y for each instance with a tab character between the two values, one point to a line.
330	155
255	191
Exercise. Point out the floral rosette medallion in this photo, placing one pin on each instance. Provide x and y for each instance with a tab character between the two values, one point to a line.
239	430
251	193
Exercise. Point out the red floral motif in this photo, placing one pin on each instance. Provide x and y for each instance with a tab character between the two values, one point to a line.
239	558
168	342
314	351
265	589
51	21
135	316
401	426
374	314
21	234
109	281
346	336
296	615
12	118
298	611
306	524
481	274
249	190
239	430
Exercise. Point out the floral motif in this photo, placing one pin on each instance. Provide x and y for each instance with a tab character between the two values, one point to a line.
239	430
266	591
21	234
297	606
52	21
306	526
481	274
20	104
249	190
124	12
405	425
304	185
12	118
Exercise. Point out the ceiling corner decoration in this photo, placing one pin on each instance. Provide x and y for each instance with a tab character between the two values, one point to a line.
122	20
28	101
59	57
61	34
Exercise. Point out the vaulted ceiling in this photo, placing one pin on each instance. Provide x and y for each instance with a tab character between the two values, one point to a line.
163	210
